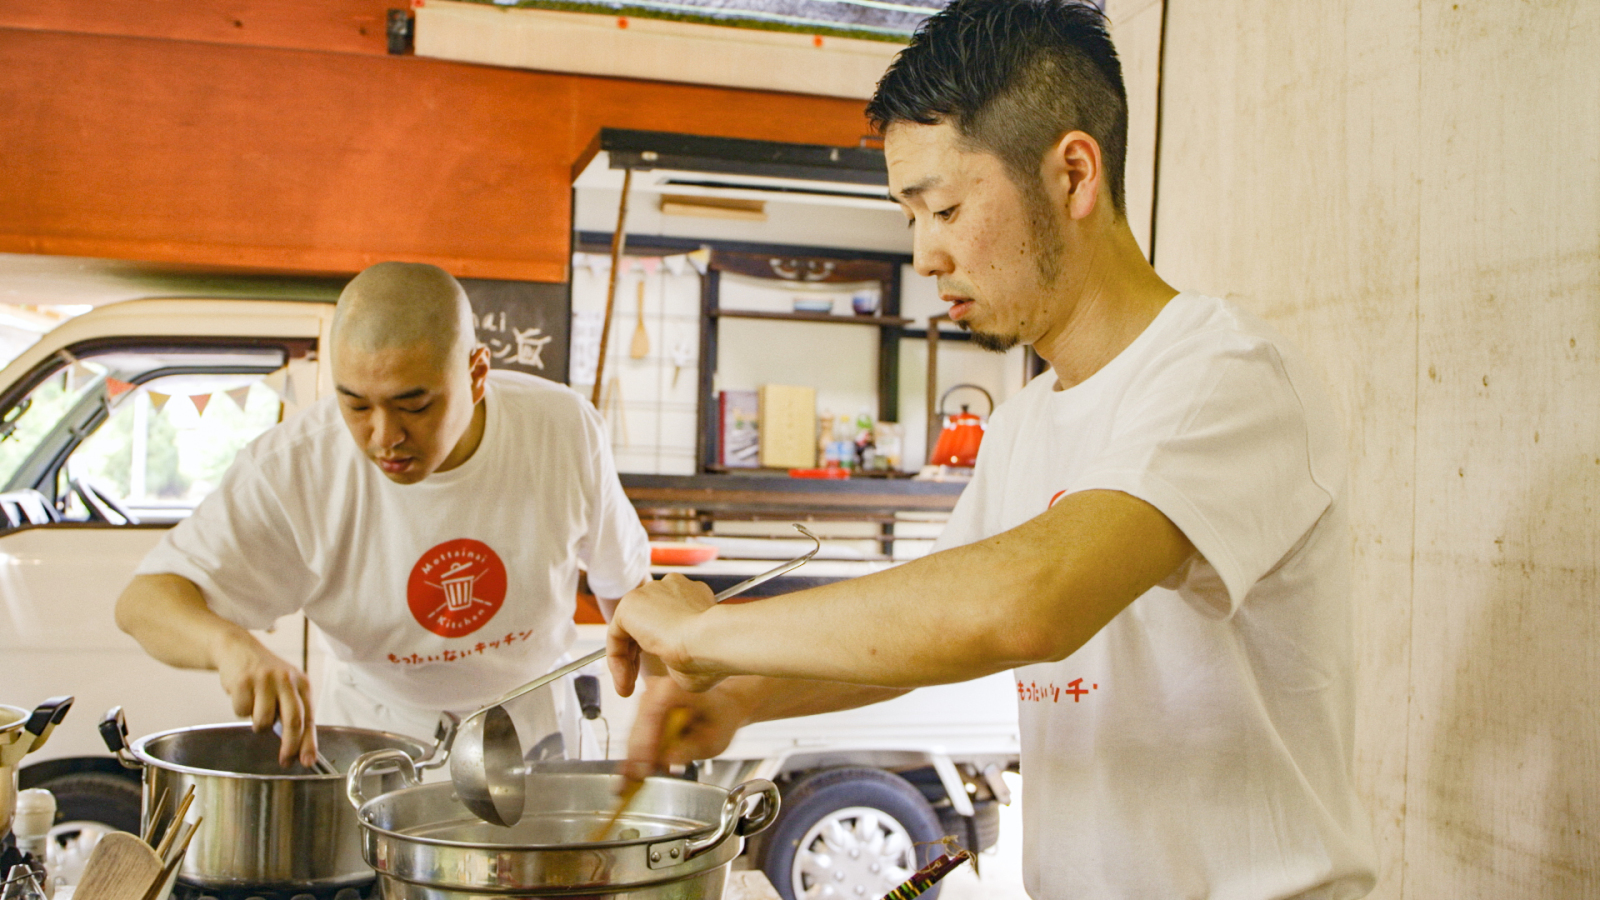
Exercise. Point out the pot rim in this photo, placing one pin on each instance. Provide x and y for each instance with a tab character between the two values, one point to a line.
137	748
367	826
537	848
21	720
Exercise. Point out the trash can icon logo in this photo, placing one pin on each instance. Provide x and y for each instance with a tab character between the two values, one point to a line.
456	587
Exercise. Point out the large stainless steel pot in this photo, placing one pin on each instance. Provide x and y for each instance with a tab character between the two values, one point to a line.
263	824
677	839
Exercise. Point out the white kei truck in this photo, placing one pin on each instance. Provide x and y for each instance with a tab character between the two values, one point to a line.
117	422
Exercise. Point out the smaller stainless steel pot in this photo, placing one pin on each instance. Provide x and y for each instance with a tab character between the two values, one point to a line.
677	839
21	733
12	718
263	825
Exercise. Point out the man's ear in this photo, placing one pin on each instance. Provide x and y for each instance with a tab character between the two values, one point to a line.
1077	170
478	366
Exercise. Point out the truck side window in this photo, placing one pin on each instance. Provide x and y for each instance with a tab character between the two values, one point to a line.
34	419
161	454
129	433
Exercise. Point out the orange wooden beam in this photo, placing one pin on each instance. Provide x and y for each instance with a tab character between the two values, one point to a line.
323	157
337	26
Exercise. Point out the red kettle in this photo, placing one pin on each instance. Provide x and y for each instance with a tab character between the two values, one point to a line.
962	433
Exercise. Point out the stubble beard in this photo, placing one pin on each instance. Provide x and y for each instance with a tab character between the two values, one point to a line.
1048	247
994	343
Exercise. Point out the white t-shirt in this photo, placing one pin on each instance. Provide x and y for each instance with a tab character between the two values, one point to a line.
437	595
1199	745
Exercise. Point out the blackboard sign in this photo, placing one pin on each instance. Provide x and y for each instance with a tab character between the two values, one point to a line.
525	324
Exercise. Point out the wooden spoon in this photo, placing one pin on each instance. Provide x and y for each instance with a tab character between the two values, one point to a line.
672	731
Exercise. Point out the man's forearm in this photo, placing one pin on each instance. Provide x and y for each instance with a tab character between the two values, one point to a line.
1031	594
169	618
766	699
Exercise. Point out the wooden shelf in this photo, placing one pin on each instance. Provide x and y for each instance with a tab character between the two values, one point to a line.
779	495
759	472
811	317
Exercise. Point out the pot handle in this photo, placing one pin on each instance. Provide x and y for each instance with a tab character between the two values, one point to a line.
45	718
358	771
735	821
114	731
444	738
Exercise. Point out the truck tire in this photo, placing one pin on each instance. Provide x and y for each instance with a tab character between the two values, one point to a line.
849	833
107	799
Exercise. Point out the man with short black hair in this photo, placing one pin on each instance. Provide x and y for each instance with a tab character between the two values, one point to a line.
430	519
1154	537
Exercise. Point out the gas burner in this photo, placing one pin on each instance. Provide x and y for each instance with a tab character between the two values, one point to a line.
364	891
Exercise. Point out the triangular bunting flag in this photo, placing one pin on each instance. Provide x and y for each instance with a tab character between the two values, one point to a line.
117	388
240	396
277	381
77	374
200	401
700	259
291	389
157	400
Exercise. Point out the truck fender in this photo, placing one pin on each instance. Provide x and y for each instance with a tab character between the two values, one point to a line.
774	766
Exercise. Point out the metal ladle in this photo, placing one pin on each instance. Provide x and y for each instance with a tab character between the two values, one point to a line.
486	765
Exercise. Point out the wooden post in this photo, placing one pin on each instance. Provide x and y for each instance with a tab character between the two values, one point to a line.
933	383
617	241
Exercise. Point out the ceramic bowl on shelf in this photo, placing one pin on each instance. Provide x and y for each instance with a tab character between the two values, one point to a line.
865	303
813	305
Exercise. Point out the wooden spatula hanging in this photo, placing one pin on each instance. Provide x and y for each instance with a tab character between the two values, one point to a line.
640	348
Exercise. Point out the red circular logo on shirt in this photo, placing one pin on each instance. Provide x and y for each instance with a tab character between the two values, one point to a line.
1058	496
456	587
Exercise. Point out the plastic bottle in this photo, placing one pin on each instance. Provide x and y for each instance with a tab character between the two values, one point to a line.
826	451
844	446
861	441
36	812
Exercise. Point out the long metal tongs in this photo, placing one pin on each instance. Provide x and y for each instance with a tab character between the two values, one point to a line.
598	655
486	759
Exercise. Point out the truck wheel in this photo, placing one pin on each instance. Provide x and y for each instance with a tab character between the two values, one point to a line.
847	834
97	797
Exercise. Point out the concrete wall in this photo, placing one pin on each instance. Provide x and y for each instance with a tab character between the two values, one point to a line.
1411	191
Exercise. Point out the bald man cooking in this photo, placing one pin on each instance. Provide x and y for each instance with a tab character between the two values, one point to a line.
430	519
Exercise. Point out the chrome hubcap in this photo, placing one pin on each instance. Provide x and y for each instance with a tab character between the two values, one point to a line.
856	853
